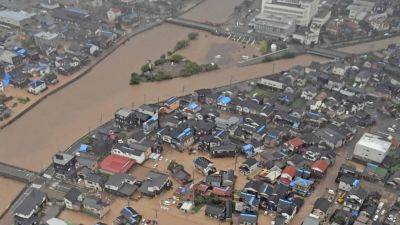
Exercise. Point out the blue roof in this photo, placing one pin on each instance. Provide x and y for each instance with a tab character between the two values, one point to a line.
83	148
192	105
224	100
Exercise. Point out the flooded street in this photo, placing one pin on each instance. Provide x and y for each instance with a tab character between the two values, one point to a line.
67	115
64	117
212	11
9	189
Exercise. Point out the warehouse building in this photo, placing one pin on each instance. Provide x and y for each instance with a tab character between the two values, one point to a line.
372	148
15	18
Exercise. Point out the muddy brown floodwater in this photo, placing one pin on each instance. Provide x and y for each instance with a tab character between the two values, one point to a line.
9	189
214	11
67	115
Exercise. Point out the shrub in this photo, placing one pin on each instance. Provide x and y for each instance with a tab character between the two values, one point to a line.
176	58
181	44
193	35
145	68
161	75
160	61
190	68
134	79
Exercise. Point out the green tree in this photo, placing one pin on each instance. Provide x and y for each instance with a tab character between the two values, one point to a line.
193	35
134	79
145	67
176	58
181	45
190	68
263	47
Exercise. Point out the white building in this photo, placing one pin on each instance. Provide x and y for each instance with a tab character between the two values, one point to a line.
275	25
302	10
372	148
15	18
47	38
360	9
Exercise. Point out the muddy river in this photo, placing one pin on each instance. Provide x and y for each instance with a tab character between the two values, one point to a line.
64	117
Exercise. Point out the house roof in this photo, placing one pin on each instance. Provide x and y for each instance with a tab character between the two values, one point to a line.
322	204
290	170
116	164
251	218
73	194
295	142
29	203
320	166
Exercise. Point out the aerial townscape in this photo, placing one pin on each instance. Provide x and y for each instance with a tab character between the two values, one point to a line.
199	112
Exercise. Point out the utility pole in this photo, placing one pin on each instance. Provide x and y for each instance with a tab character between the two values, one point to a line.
235	159
230	81
183	90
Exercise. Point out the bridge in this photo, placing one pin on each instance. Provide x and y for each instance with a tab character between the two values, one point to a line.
195	25
17	173
328	53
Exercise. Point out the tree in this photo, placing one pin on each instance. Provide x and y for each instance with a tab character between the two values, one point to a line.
134	79
190	68
146	67
181	44
193	35
263	47
176	58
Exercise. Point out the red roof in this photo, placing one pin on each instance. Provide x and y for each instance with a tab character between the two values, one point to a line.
290	171
203	188
222	191
295	142
116	164
320	166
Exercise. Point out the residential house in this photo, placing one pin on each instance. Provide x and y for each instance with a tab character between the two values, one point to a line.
27	211
287	209
178	172
64	165
124	118
128	216
94	181
346	183
288	175
248	219
170	105
310	220
215	211
155	183
205	166
121	184
294	144
95	206
249	166
319	167
320	209
355	198
73	199
136	151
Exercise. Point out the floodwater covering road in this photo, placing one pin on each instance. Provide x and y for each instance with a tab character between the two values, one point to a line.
67	115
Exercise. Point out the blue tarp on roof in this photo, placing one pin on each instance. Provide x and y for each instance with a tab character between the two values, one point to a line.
224	100
192	105
83	148
6	79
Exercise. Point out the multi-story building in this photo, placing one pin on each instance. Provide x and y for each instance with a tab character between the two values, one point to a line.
302	10
372	148
275	25
64	165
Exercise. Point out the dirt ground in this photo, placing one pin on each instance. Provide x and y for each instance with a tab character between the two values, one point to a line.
214	11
